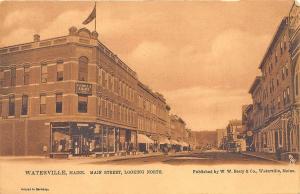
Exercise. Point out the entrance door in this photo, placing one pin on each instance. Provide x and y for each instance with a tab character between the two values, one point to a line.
276	140
77	145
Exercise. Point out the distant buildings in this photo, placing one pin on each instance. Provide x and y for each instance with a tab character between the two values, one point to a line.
205	139
221	138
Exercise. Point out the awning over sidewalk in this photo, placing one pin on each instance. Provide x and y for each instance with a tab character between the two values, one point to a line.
164	140
184	144
174	142
141	138
275	125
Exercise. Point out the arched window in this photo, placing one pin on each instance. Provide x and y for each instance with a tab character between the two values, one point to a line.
83	69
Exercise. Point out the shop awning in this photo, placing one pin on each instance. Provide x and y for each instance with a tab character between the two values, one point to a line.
174	142
164	141
275	125
184	144
141	138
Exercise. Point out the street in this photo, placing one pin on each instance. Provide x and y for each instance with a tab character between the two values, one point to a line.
195	158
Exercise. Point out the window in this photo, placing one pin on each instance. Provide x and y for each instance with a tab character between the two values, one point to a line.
13	76
288	94
82	103
42	104
284	97
109	81
278	102
44	73
99	106
297	85
286	70
282	73
60	70
59	103
99	76
26	75
104	79
1	78
11	105
83	69
24	109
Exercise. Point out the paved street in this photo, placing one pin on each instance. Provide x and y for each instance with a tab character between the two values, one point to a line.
205	158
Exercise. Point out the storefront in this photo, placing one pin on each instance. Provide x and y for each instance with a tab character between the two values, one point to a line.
145	143
164	144
175	145
91	138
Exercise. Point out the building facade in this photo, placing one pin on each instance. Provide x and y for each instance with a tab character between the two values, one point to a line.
73	95
294	121
273	96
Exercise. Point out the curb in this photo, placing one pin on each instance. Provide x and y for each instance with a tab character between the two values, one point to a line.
265	158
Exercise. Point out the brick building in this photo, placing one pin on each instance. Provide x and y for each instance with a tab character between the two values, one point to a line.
294	120
273	95
71	94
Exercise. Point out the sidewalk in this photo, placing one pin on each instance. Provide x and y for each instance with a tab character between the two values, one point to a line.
265	156
83	159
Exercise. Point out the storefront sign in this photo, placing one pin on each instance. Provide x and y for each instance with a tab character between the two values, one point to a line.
84	88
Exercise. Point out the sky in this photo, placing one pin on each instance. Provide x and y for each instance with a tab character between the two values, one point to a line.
201	55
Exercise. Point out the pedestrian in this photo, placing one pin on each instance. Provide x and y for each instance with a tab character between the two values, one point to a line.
45	149
278	153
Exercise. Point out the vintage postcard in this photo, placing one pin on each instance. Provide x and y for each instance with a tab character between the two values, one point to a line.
183	97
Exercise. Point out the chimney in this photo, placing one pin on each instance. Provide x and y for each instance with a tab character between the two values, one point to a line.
36	38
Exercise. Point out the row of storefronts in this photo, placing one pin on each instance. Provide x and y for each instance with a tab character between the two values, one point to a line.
88	139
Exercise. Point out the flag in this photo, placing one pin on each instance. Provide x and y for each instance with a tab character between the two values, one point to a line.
91	17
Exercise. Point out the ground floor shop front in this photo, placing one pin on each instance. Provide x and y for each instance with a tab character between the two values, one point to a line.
280	137
91	138
29	137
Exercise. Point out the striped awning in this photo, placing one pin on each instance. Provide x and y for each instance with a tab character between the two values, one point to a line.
164	140
174	142
141	138
184	144
274	125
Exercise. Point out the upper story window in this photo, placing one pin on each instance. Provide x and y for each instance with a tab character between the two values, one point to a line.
297	85
109	81
283	73
276	57
11	105
59	103
60	70
13	76
26	74
284	97
24	108
82	103
44	73
286	70
99	76
288	94
83	69
99	106
42	104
